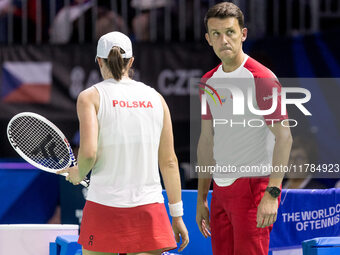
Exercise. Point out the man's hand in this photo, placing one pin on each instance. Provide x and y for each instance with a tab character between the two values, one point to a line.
73	175
202	218
267	211
179	228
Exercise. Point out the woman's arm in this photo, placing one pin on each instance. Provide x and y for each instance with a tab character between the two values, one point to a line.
169	169
87	107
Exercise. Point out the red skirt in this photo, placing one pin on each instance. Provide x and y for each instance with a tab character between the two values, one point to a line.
126	230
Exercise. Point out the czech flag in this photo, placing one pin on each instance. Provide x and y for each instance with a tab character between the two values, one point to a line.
26	82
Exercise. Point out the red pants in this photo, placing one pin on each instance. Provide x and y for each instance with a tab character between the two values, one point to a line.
233	218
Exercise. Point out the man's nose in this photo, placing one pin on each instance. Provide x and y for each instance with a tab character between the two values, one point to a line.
224	39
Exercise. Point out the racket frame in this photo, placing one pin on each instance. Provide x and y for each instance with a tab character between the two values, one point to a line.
72	160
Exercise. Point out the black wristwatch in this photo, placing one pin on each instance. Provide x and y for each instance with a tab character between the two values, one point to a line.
274	191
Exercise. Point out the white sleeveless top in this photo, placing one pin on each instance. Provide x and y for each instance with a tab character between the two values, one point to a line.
130	119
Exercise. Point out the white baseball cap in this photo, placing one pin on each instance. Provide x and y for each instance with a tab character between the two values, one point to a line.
109	40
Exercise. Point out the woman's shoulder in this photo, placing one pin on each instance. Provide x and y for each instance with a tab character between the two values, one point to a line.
90	93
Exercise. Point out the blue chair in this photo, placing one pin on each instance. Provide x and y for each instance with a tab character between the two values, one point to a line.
321	246
65	245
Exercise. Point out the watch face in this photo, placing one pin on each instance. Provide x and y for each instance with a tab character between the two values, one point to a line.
274	191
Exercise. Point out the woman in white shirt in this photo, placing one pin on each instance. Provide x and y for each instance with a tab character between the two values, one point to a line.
125	134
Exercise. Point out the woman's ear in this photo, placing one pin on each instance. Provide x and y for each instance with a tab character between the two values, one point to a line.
99	61
131	62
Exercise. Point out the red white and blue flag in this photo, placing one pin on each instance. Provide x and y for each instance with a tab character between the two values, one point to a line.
26	82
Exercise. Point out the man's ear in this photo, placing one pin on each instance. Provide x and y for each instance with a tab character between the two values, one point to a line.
244	34
208	39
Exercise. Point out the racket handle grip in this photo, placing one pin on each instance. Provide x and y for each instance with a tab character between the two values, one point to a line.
85	182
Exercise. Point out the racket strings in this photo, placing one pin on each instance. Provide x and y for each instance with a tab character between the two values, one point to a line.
40	142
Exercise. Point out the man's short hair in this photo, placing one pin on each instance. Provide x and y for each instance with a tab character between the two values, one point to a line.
224	10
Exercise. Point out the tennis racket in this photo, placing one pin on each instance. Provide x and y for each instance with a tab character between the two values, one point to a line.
41	143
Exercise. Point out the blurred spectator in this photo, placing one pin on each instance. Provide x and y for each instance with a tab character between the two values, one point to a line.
304	151
66	25
62	27
108	21
142	21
